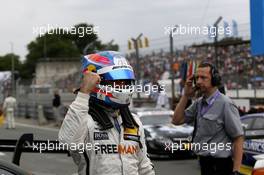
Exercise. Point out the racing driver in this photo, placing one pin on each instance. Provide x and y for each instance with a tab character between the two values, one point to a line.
100	120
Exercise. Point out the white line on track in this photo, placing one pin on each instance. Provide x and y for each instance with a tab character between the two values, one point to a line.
37	127
2	154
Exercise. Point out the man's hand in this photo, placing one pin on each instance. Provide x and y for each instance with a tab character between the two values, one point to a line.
189	90
89	82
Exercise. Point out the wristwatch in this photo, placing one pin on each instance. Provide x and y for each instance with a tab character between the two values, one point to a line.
235	173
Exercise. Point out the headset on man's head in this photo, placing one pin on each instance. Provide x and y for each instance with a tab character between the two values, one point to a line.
216	79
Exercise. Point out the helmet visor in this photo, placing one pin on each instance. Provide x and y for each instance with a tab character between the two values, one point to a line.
119	74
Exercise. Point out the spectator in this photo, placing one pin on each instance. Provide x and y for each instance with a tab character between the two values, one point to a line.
9	107
163	100
56	103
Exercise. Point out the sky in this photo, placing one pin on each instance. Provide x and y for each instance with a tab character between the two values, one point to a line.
116	19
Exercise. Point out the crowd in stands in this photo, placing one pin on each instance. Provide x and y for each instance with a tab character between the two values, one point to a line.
236	65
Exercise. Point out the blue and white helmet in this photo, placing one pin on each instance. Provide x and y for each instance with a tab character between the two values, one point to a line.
112	67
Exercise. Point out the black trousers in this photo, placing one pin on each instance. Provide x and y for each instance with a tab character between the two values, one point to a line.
216	166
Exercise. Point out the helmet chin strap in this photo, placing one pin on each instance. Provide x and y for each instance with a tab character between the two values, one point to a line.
99	111
128	119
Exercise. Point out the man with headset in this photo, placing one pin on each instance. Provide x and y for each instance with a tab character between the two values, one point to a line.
218	133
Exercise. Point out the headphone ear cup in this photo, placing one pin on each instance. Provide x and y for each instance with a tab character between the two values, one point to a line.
212	75
213	82
216	79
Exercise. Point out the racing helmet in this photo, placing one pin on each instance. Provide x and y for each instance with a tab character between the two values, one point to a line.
112	68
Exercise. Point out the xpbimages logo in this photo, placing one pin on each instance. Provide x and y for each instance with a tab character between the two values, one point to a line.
80	31
137	88
196	30
81	147
211	147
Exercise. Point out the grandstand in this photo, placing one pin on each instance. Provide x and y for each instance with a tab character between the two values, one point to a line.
242	74
235	60
236	64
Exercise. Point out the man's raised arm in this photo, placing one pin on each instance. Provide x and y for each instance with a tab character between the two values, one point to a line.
179	112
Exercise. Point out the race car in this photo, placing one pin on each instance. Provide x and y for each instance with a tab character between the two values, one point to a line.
253	125
164	139
259	165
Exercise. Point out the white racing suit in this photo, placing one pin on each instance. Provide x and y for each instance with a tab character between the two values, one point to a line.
107	150
9	107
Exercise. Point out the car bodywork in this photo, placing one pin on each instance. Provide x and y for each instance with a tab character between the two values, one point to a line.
163	139
253	125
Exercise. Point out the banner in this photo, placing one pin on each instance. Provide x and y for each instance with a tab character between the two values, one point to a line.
257	27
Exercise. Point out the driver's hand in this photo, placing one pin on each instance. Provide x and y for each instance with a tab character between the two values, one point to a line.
89	81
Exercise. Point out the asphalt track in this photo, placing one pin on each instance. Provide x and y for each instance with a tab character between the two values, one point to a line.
61	164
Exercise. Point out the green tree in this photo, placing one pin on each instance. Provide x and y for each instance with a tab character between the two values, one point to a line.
63	44
82	41
6	62
89	43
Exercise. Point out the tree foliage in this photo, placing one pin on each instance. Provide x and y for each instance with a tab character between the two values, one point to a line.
61	43
6	62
